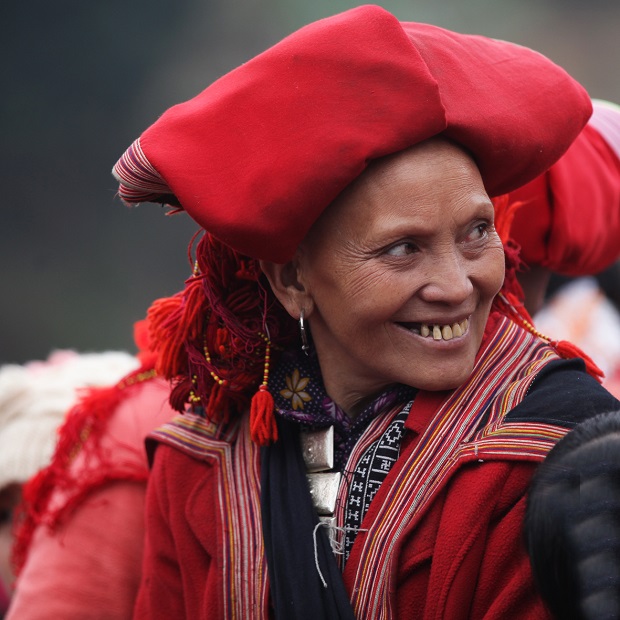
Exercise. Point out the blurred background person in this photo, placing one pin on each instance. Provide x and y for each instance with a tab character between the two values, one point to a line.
583	311
34	399
79	536
567	225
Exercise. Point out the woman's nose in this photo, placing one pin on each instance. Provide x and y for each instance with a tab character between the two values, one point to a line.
448	279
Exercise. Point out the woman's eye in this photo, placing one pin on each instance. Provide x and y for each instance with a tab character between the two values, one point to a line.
478	232
402	249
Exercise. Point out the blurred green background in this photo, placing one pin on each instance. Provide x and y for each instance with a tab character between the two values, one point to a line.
81	79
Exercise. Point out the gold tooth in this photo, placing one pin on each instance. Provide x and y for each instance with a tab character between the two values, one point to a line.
446	332
436	332
424	330
457	332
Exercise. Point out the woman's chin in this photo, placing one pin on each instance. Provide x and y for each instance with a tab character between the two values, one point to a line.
443	380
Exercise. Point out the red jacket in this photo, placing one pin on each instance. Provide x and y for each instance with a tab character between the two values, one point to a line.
442	538
465	559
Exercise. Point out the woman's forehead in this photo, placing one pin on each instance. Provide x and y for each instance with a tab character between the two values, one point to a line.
433	177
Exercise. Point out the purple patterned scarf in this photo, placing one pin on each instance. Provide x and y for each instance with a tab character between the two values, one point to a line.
299	395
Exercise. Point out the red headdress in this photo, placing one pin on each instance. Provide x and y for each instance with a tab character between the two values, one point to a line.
257	156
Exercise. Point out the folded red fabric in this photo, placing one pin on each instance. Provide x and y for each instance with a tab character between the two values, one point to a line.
257	156
569	219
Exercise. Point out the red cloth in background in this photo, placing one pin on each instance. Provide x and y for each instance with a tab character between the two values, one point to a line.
569	221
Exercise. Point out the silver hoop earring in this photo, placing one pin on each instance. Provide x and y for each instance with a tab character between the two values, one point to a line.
305	347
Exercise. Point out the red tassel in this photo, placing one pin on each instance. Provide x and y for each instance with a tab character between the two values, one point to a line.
263	429
568	350
168	344
171	322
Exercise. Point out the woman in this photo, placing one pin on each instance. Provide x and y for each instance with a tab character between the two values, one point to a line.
343	181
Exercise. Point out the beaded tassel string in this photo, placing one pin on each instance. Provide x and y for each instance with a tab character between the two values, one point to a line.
212	335
263	428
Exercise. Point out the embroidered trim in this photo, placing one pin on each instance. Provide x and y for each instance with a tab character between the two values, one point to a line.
139	181
370	473
500	379
237	466
194	434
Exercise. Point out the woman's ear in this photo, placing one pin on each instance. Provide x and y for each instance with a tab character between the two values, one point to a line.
287	286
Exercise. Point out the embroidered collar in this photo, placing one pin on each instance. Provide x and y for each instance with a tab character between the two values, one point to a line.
299	394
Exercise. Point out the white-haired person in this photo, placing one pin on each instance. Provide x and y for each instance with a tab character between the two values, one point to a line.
80	529
34	399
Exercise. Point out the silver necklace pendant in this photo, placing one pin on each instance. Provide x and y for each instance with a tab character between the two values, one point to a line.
317	448
324	491
318	453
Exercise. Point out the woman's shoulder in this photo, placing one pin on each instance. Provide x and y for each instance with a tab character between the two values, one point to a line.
563	394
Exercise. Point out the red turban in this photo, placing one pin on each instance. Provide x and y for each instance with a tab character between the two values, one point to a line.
257	156
569	220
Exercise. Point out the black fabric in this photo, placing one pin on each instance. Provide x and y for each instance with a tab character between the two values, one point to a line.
288	521
563	394
572	524
370	472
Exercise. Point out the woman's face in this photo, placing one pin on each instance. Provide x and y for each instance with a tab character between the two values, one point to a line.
397	277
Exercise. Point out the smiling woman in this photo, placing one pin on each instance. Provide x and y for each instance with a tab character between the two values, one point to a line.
375	465
409	246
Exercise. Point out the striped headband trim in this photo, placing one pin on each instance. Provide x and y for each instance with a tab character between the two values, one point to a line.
138	179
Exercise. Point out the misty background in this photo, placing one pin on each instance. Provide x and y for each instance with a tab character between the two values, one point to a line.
82	79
